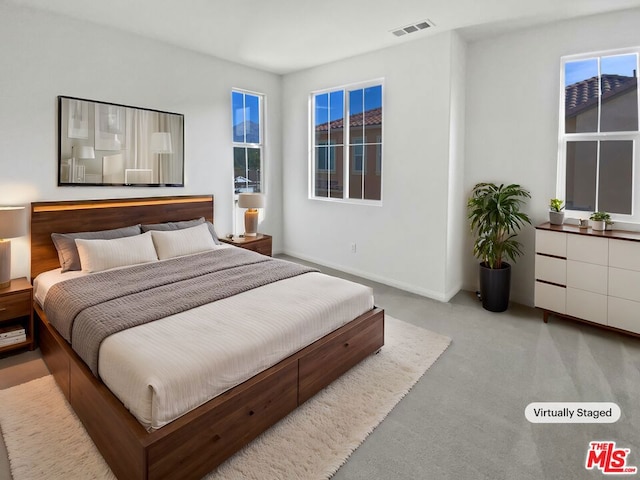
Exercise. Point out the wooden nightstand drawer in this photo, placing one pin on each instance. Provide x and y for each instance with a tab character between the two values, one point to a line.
263	247
16	310
261	243
15	305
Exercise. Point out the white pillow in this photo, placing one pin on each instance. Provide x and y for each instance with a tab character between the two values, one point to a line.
175	243
98	255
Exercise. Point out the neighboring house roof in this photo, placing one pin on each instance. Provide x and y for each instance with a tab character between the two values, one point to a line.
371	117
583	95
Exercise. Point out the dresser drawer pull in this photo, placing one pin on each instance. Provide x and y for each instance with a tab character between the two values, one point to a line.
2	309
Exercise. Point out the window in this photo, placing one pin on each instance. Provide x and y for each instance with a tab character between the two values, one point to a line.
247	141
599	132
346	163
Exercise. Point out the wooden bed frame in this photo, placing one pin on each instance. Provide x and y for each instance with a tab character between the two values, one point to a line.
200	440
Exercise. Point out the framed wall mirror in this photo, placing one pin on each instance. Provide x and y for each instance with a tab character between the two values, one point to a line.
108	144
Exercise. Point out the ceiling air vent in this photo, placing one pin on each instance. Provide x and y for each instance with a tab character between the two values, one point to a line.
414	27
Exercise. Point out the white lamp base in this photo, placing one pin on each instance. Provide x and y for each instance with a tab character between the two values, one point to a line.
5	263
251	222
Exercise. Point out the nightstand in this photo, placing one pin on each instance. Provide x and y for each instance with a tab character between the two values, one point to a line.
261	243
16	316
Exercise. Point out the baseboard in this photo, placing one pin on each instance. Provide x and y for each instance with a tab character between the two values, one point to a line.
441	297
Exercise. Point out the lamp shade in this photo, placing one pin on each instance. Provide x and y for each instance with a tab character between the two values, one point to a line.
12	222
161	142
84	151
251	200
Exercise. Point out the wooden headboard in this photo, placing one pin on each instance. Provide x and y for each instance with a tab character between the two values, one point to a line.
92	215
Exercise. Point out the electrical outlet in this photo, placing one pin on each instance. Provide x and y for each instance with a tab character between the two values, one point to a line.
353	248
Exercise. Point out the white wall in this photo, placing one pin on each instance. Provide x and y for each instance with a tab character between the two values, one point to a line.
457	226
513	84
404	242
44	55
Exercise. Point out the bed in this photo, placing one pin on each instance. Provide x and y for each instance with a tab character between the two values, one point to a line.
195	442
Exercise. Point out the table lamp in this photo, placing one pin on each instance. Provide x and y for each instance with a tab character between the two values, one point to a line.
11	225
79	152
251	201
161	142
161	145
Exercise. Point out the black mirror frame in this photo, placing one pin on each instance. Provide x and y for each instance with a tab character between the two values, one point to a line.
62	125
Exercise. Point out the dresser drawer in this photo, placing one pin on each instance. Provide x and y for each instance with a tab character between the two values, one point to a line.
587	305
624	314
588	249
551	269
587	276
624	284
551	243
15	305
550	297
624	254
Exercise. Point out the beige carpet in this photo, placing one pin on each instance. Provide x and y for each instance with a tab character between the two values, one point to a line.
45	440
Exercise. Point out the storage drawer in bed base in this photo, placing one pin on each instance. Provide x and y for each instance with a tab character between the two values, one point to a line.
335	354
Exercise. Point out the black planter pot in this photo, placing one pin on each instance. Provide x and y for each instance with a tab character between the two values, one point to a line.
495	286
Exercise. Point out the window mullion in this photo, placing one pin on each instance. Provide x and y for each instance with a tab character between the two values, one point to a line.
347	145
598	175
330	151
599	99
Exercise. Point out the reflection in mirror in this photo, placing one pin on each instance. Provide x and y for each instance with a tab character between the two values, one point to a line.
107	144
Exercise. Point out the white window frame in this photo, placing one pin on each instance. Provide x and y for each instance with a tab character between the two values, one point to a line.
260	145
238	213
565	138
345	142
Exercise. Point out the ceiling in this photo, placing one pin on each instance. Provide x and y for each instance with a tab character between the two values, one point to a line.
283	36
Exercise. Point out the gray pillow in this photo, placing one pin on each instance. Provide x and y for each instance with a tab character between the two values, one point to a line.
65	243
180	225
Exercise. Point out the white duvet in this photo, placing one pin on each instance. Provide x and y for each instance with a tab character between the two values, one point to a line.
163	369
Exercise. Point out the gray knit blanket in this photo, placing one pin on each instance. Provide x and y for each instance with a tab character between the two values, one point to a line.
88	309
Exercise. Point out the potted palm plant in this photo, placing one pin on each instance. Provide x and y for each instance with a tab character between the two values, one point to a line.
495	217
556	215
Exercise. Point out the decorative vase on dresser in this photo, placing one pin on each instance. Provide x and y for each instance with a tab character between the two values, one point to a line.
592	276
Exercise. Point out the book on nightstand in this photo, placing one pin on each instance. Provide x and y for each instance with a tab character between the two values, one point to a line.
12	331
13	340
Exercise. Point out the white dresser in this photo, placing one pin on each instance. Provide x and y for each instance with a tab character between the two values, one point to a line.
589	276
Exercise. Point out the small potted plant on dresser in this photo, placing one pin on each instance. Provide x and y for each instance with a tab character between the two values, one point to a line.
495	217
600	220
556	215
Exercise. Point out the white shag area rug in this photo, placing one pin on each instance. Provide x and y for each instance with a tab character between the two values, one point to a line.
45	440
